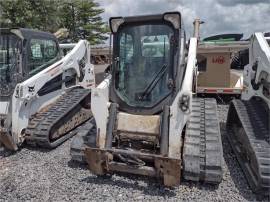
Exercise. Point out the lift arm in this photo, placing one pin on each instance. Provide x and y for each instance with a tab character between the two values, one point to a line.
257	72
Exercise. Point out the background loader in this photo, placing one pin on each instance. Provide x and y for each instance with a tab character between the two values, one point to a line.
147	119
42	95
248	119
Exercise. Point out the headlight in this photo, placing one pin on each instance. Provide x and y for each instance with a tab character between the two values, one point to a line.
18	91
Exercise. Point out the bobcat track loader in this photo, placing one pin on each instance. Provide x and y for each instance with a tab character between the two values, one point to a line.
248	119
42	97
146	119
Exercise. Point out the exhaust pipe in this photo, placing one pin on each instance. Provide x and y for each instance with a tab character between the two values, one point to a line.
196	32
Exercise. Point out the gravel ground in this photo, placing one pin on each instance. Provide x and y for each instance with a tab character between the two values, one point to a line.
40	175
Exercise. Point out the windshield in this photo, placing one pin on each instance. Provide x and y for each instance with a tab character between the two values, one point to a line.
143	67
9	57
9	47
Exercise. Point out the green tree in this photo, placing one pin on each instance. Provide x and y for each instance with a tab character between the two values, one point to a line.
50	15
29	13
83	16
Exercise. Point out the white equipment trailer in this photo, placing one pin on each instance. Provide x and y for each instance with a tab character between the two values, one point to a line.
215	75
147	119
42	97
248	119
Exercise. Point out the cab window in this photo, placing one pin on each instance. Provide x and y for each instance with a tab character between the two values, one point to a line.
202	62
43	53
126	47
155	46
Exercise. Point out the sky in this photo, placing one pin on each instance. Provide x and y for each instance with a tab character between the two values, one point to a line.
220	16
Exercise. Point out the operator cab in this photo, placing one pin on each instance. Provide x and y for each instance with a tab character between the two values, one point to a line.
146	62
24	53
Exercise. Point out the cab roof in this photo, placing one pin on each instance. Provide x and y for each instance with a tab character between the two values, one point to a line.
27	33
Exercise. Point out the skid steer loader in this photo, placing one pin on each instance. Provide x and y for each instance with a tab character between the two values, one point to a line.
248	119
146	119
42	95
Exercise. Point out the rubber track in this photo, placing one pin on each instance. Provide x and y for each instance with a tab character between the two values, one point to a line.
252	150
41	123
202	152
